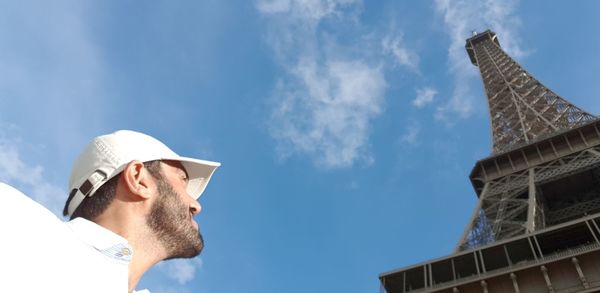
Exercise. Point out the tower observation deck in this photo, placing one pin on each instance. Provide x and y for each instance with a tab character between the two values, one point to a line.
536	225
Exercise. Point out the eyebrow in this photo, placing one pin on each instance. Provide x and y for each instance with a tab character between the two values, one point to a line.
179	166
182	168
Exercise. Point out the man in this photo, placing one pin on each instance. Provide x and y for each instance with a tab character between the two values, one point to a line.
131	204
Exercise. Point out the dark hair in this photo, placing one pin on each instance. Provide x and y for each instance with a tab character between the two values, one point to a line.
92	207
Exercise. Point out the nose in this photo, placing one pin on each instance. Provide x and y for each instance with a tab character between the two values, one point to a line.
195	207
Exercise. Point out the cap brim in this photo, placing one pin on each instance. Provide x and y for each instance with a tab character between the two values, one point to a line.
199	173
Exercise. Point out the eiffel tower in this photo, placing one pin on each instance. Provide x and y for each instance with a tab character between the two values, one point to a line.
536	225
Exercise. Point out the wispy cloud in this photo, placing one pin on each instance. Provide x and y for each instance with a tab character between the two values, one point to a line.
304	11
403	56
326	109
424	97
181	270
461	17
273	6
410	137
29	178
324	105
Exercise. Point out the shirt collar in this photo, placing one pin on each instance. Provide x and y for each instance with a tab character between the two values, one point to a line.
102	239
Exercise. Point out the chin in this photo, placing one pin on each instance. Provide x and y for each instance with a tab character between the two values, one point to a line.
188	247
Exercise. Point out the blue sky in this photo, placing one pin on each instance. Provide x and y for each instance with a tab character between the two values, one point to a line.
346	128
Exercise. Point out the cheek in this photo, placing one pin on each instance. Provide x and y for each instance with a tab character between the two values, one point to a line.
181	207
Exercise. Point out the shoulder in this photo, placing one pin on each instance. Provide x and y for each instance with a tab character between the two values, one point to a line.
18	209
9	193
12	198
39	245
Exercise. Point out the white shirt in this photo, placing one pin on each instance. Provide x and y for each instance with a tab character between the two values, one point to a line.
41	253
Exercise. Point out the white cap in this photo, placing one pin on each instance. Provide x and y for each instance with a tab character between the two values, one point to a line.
107	155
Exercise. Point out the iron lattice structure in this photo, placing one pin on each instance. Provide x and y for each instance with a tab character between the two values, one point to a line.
536	226
522	110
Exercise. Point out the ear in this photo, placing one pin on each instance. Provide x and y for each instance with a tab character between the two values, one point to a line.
138	180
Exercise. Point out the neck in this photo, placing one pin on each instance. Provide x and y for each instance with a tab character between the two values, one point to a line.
144	258
146	252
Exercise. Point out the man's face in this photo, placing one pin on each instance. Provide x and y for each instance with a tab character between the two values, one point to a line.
171	215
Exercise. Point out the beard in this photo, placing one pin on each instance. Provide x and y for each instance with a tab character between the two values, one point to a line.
171	222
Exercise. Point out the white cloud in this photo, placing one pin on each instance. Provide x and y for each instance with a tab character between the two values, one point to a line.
28	178
329	94
403	56
294	28
424	97
304	9
181	270
461	18
410	137
273	6
326	110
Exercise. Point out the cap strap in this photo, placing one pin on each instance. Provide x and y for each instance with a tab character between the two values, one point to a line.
94	181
